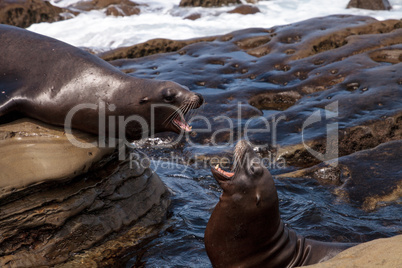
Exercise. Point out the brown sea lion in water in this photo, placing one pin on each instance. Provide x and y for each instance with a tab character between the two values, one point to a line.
245	228
45	79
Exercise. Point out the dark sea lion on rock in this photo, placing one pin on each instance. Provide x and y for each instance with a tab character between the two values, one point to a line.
245	228
46	79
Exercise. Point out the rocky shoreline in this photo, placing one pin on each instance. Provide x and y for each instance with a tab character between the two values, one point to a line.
58	200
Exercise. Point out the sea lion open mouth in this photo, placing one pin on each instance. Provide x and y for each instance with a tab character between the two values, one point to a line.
177	118
221	174
238	156
181	123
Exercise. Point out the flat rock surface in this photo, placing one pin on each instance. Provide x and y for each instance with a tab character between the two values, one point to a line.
37	152
384	253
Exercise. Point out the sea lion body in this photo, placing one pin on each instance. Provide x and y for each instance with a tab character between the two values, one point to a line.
245	228
44	79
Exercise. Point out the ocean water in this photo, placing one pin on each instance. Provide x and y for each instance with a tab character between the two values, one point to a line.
165	19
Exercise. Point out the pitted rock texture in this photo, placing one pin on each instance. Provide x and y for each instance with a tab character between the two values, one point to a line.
370	4
307	92
369	178
292	71
48	219
287	73
154	46
23	13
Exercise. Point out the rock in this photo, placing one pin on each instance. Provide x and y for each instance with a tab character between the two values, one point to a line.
194	16
29	145
122	10
58	199
112	7
370	4
384	253
368	178
23	13
207	3
150	47
245	10
106	3
99	4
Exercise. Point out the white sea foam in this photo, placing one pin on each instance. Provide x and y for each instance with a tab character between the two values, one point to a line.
165	19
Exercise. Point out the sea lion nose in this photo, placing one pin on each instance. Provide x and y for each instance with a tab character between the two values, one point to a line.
200	99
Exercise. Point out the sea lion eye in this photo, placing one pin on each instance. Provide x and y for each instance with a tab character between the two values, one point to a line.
169	98
168	95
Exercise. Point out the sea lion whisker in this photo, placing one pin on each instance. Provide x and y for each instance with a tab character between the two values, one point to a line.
185	109
190	108
239	154
175	113
170	118
193	111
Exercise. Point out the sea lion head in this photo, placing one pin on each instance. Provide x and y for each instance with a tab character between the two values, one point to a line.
163	105
177	101
246	217
250	186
